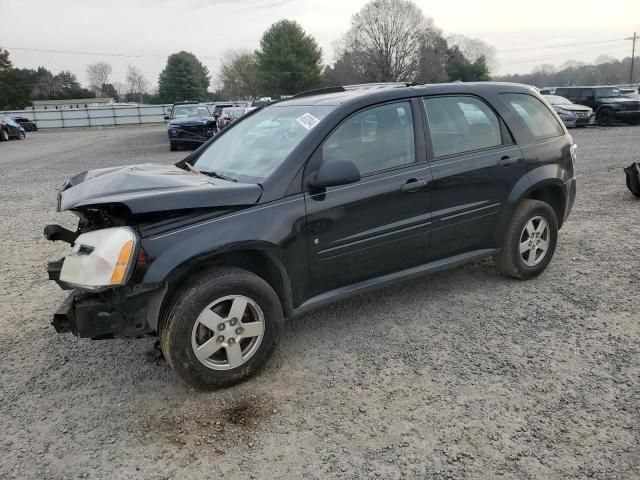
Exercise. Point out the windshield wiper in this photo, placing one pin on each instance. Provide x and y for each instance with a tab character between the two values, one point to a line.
218	175
209	174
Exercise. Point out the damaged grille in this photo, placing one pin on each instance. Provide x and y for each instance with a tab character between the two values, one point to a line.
197	132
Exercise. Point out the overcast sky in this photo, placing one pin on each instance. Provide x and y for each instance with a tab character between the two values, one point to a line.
144	32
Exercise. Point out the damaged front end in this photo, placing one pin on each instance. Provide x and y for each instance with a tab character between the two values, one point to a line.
123	312
117	208
97	269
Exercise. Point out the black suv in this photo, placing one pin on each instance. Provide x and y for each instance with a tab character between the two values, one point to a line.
608	103
307	201
190	124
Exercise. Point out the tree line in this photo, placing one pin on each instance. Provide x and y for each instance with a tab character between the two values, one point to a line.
605	70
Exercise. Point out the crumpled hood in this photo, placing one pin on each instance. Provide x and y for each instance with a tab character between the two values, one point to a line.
153	188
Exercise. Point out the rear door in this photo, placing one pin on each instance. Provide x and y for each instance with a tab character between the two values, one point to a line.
475	165
379	224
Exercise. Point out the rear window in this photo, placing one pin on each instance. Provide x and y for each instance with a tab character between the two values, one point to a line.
539	120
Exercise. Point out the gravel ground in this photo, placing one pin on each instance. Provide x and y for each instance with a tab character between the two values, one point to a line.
464	374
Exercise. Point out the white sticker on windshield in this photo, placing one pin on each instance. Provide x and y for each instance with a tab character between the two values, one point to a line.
308	121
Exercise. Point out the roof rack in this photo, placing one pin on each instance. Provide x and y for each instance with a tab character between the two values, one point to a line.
359	86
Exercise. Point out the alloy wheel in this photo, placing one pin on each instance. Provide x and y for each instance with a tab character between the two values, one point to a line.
228	332
534	241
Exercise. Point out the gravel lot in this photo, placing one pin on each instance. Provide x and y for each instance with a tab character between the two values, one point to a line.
464	374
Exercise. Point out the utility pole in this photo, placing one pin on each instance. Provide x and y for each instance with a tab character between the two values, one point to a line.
633	54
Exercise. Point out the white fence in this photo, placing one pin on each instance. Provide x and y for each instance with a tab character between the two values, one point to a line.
94	116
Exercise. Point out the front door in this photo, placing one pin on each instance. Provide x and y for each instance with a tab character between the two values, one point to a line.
379	224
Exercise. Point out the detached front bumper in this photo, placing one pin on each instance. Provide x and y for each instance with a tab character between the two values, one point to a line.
114	312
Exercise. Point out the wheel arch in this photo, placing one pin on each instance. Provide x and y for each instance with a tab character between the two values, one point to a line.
540	184
261	260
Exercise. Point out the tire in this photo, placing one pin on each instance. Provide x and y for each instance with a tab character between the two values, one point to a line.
22	136
605	118
4	135
173	147
207	297
510	261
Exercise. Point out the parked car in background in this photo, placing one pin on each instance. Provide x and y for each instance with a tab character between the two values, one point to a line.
305	202
231	114
608	103
9	128
28	125
572	115
628	90
547	91
190	125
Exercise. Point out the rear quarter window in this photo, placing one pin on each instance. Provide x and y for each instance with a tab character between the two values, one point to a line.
538	119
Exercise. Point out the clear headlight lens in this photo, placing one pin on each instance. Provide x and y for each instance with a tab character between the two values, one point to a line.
102	258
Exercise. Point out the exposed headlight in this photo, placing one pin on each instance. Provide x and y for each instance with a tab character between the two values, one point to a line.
102	258
562	111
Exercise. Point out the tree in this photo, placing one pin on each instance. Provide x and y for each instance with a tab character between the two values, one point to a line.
239	75
5	63
65	80
289	60
432	64
137	84
387	37
98	75
474	48
184	78
109	90
461	69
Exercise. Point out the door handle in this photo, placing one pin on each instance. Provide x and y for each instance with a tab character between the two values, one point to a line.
507	161
414	185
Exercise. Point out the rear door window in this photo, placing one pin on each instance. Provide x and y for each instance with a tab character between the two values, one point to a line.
539	120
461	124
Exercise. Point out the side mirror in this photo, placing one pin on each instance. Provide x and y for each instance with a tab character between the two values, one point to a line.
335	172
167	117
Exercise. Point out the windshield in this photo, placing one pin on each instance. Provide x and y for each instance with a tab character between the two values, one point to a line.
607	92
191	111
259	143
557	100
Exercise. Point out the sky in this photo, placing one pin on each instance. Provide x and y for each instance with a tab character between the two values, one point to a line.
144	32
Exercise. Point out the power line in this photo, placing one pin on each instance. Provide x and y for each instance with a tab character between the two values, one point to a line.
563	46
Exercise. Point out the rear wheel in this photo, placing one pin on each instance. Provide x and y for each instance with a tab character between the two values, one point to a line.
605	118
530	240
221	328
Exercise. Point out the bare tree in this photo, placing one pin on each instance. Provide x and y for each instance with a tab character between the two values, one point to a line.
474	48
98	75
239	75
137	84
387	37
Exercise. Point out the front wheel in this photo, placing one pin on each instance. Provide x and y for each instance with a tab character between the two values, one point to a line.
22	136
221	328
4	135
530	241
605	118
